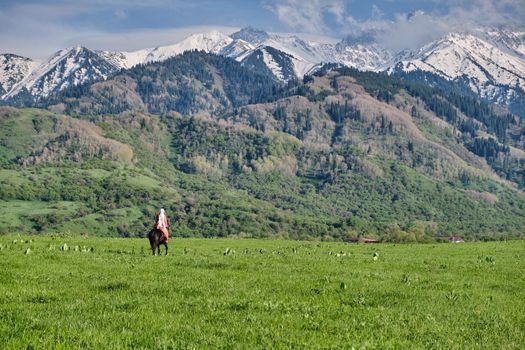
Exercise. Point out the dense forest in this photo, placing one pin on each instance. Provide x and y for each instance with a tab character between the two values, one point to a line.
186	84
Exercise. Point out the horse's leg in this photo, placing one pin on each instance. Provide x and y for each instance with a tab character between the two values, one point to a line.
166	245
152	246
158	249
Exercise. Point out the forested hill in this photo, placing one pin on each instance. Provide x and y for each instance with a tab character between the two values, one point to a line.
194	82
230	151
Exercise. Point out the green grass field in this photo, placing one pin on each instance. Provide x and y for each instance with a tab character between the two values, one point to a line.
110	293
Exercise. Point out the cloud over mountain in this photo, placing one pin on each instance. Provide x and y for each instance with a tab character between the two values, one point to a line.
399	30
33	28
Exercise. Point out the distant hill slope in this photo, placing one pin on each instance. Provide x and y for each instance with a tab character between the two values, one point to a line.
230	152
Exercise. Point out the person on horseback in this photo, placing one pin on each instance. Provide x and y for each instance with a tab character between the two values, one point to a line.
161	224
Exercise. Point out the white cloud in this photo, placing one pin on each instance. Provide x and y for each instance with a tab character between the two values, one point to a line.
121	14
399	31
463	16
320	38
408	33
30	30
37	31
308	16
57	38
507	13
140	39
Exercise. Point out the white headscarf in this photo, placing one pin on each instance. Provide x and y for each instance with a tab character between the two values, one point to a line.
162	222
162	216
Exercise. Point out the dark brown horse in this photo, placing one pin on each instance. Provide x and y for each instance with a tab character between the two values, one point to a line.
155	241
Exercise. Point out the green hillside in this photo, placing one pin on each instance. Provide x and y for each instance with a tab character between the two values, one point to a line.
210	189
343	153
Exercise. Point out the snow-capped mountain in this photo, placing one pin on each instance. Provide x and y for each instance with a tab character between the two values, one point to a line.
361	51
67	67
211	42
13	69
251	44
273	61
286	57
491	65
307	55
251	35
490	62
304	55
507	41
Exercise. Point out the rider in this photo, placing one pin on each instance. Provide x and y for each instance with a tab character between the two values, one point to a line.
161	223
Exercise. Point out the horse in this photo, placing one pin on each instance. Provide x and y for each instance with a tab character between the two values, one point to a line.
155	241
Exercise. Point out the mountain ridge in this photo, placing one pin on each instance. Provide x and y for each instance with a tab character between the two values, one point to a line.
489	62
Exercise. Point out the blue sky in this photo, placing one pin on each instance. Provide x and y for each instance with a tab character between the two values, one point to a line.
38	28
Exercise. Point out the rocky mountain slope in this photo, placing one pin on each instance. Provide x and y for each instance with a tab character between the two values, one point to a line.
66	68
491	64
13	69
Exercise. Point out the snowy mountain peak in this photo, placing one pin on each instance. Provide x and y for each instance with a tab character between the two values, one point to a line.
67	67
13	68
510	41
12	57
493	71
212	41
251	35
368	37
237	49
490	61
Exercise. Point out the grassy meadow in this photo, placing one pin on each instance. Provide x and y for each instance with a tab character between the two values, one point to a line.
67	292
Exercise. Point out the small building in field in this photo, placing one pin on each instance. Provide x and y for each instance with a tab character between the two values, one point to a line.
455	239
362	240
